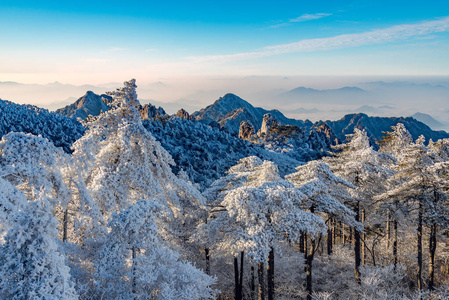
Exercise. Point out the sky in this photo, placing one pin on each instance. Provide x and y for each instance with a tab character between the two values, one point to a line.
100	42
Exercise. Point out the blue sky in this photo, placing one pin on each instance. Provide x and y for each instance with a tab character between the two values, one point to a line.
102	41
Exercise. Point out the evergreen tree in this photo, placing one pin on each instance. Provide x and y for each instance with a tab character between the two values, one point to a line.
31	263
258	211
359	164
324	193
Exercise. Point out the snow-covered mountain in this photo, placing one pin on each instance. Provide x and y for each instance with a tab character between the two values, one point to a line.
376	126
89	104
230	110
205	153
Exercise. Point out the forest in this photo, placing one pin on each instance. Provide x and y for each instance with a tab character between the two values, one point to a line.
109	219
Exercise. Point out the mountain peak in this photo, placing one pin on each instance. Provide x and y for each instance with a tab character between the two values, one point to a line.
230	110
229	97
89	104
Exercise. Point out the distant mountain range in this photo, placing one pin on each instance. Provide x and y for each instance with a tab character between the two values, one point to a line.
230	110
303	91
376	126
347	95
428	120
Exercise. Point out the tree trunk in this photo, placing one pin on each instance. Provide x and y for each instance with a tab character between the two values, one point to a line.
334	233
350	237
340	233
432	250
253	284
395	243
329	237
236	279
261	286
388	230
241	275
133	272
363	239
419	244
357	245
301	242
65	223
270	274
305	252
309	261
206	251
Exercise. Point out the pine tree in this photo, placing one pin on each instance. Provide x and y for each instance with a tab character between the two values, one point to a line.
324	193
135	264
359	164
31	263
122	164
420	180
254	211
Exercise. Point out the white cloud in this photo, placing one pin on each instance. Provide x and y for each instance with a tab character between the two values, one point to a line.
309	17
377	36
303	18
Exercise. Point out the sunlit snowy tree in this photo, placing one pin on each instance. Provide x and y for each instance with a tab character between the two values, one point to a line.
135	264
420	181
359	164
122	164
255	211
324	193
31	263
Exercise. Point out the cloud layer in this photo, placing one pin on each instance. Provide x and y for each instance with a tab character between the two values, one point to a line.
377	36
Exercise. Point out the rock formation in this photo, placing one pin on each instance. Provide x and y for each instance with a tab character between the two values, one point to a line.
246	130
183	114
268	122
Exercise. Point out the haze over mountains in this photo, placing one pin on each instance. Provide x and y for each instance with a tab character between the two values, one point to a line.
229	111
313	98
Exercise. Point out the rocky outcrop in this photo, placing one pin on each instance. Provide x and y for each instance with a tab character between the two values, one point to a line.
268	122
183	114
327	131
287	131
149	111
246	130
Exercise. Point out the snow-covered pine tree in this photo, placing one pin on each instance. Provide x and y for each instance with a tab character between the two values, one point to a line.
393	143
122	164
325	194
254	211
135	264
39	169
420	180
31	263
359	164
